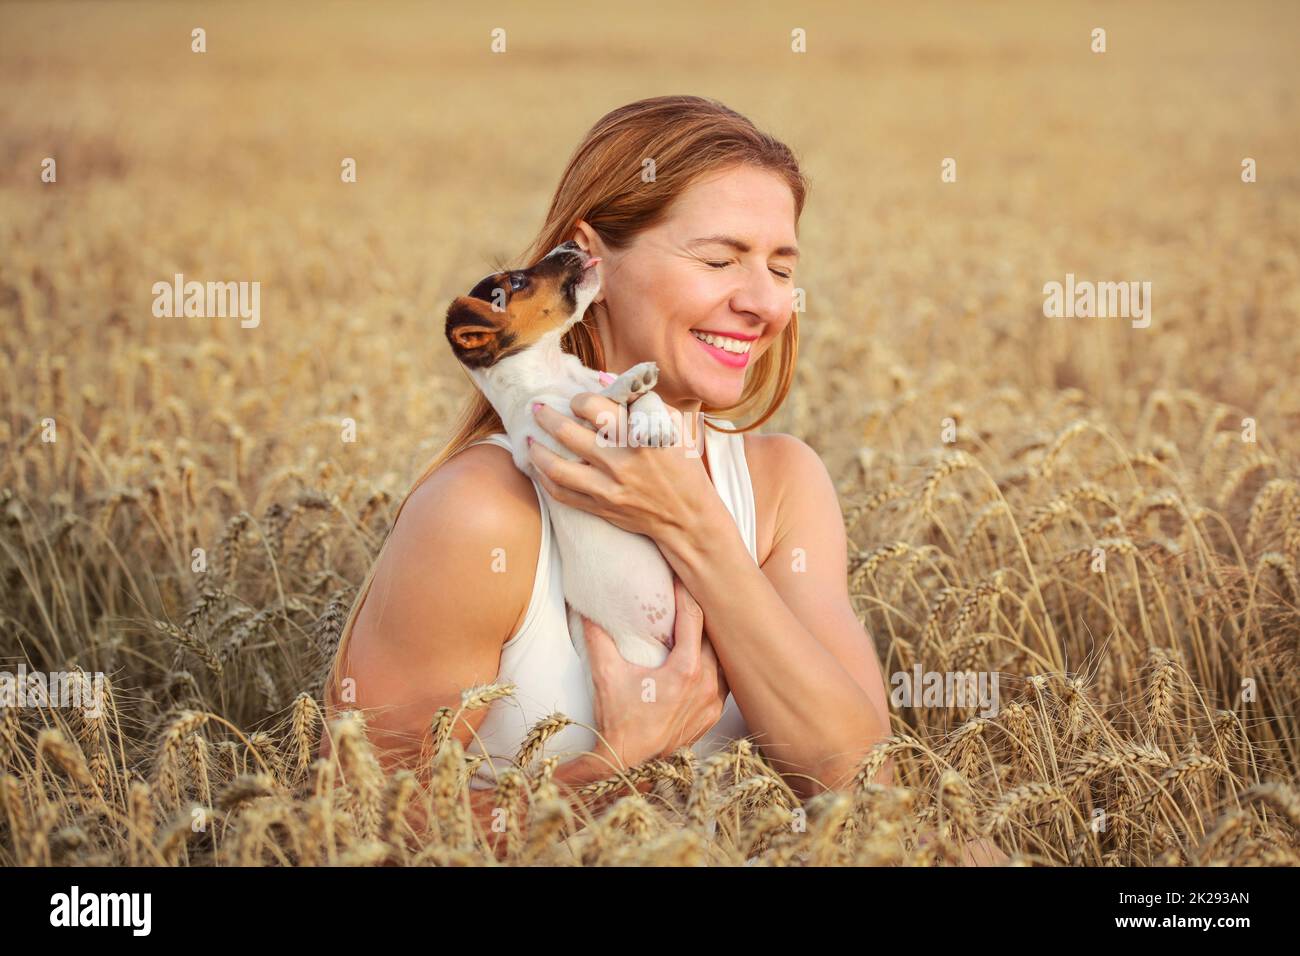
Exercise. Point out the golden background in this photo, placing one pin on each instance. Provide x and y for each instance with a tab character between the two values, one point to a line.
924	302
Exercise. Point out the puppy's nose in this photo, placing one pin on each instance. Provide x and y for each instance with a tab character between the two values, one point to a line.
570	257
565	248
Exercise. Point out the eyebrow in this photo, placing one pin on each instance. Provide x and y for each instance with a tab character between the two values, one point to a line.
740	246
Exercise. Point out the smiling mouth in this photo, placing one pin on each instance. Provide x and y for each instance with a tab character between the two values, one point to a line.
724	343
733	353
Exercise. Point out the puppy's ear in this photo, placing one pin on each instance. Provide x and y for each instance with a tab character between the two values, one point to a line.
473	332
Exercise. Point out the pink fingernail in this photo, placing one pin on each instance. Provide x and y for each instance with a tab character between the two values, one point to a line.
606	378
530	440
536	406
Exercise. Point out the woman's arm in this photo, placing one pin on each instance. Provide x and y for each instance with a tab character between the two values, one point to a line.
801	667
802	670
417	641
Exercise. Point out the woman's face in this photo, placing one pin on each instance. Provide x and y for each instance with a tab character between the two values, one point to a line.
722	262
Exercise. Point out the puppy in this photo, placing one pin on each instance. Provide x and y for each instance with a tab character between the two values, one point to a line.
506	333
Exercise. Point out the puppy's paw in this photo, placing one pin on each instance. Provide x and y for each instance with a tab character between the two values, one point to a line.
645	376
637	380
650	423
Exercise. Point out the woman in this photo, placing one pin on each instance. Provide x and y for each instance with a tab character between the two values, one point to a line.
693	213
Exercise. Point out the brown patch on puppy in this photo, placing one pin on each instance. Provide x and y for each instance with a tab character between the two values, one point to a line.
531	302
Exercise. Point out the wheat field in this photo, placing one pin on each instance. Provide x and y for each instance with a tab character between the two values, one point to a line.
987	455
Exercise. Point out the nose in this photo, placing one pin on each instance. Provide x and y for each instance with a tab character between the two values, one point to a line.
763	297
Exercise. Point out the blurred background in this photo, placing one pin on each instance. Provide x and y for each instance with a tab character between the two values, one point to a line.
1115	166
924	298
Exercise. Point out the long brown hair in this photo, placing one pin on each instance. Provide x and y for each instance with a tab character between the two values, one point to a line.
687	137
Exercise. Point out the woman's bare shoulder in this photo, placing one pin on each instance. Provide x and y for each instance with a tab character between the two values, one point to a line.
450	587
473	527
778	462
778	455
479	488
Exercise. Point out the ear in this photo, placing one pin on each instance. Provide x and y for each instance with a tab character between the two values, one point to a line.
589	242
471	331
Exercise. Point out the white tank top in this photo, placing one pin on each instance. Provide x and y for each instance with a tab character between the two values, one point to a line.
539	658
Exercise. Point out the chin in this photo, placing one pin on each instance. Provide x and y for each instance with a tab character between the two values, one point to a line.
718	394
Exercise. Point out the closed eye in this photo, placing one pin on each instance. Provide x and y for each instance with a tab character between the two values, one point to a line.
775	272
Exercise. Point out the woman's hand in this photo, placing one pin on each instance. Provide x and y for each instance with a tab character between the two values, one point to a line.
661	492
689	689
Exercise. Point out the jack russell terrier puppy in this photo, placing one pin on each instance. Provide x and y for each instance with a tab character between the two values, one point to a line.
506	333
